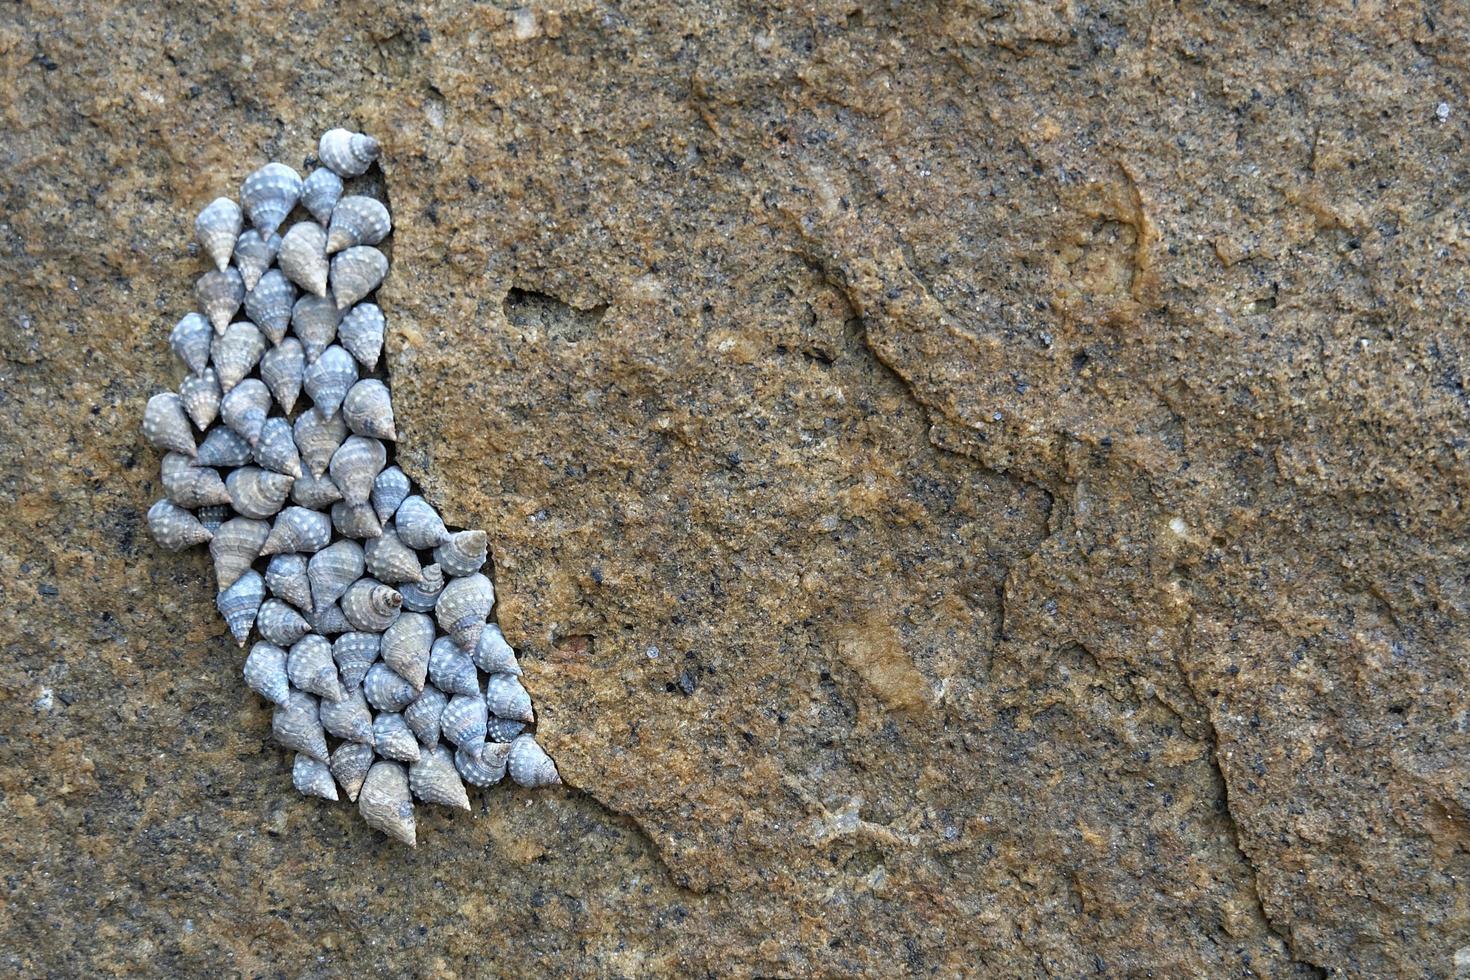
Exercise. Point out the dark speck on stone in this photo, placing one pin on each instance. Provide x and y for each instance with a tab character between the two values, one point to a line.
45	61
48	590
687	683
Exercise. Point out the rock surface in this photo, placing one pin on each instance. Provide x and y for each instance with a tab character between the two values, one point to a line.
979	487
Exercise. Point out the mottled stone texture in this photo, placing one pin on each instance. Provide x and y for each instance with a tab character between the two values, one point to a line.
979	486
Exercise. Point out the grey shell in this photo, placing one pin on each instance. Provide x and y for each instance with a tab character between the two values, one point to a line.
350	764
312	777
464	553
370	606
463	720
384	802
269	194
174	528
282	368
257	493
224	447
356	522
361	332
493	655
166	424
434	779
390	560
235	547
451	669
238	604
421	596
190	341
276	449
303	257
357	220
269	304
347	153
419	524
235	352
368	409
328	379
317	439
320	193
392	738
315	492
385	690
191	486
390	487
463	607
529	764
422	716
349	719
506	698
296	725
216	228
406	646
285	576
245	408
278	623
254	254
315	319
483	764
311	667
200	394
354	467
332	570
355	652
298	529
219	294
265	672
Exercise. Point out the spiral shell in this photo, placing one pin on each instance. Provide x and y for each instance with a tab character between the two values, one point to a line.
368	409
238	604
235	547
451	670
390	487
269	304
213	515
355	653
235	352
217	227
269	194
219	294
265	672
350	764
285	576
276	449
245	408
166	425
317	438
315	320
278	623
302	257
329	621
282	369
328	379
493	655
384	802
296	725
506	698
463	720
356	272
529	764
405	647
223	447
349	154
419	524
464	553
320	193
422	717
191	486
421	596
463	606
257	493
332	570
390	560
200	394
174	528
361	332
392	738
385	690
355	522
434	779
190	340
370	605
312	669
254	254
349	719
502	729
354	467
357	220
315	492
482	764
313	778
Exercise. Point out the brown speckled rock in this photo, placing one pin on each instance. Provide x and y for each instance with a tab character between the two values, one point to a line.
977	488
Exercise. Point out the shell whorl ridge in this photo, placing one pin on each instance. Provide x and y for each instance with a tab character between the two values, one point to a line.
367	619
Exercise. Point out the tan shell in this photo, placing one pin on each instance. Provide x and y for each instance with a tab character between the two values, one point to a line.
463	607
355	652
392	738
356	272
384	802
276	449
493	655
368	409
463	720
254	255
315	319
278	623
303	257
269	304
328	379
529	764
317	437
298	529
219	294
235	353
355	465
406	645
361	333
190	340
296	725
265	672
174	528
320	193
482	764
282	368
217	227
349	154
166	425
422	716
451	669
224	447
350	718
239	603
369	605
235	547
311	777
191	486
332	570
357	220
385	690
285	576
390	560
245	408
356	522
315	492
350	764
434	779
201	394
312	669
506	698
419	524
464	553
257	493
269	194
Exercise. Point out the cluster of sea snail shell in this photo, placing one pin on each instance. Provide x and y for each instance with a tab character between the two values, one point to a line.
371	616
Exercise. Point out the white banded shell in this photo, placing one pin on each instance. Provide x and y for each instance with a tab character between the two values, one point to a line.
257	493
384	802
368	409
278	623
317	437
356	271
224	447
390	560
502	729
464	553
354	467
235	547
355	652
349	154
493	655
302	257
276	448
385	690
463	720
328	620
463	607
332	570
216	228
320	193
329	378
312	669
174	528
434	779
269	304
200	394
254	254
419	524
389	489
350	718
315	492
315	320
219	294
235	352
357	220
245	408
361	332
285	576
190	340
213	515
239	603
265	672
166	425
369	605
296	725
191	486
482	764
355	522
529	764
506	698
420	596
451	669
282	368
423	715
350	764
269	194
406	645
392	738
312	777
